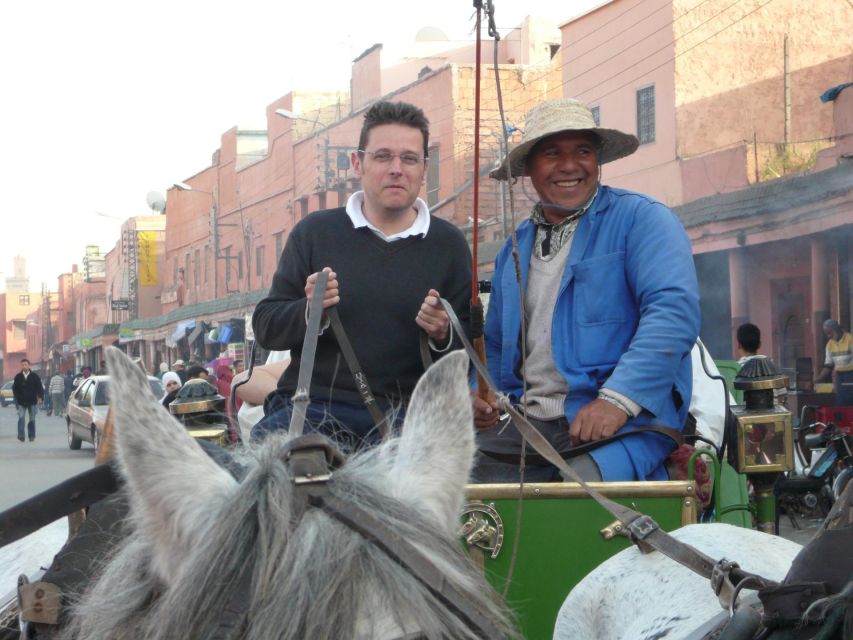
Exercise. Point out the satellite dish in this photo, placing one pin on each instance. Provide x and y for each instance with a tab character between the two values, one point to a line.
156	202
431	34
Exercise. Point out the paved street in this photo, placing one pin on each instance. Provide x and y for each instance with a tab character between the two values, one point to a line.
31	467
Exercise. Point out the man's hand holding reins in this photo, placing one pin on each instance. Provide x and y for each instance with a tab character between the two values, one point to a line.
596	420
486	412
432	318
332	296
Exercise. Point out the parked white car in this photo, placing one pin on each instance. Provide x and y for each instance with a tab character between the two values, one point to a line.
87	409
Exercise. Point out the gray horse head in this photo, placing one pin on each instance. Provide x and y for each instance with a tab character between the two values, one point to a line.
195	530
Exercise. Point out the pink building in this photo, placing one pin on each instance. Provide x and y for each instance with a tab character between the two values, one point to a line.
89	308
725	100
21	312
721	95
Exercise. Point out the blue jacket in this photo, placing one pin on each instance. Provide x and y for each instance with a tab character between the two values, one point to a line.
626	317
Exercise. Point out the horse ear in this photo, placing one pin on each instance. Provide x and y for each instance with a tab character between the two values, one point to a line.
436	449
171	481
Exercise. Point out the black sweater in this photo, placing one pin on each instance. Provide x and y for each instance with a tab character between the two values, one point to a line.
27	390
382	285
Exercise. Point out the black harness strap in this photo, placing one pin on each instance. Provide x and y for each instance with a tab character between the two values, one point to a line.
586	447
309	352
411	559
358	374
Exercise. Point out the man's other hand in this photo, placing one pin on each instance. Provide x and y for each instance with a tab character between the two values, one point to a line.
485	411
596	420
332	296
433	319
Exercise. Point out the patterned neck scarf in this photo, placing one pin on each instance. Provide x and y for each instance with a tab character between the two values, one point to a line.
551	237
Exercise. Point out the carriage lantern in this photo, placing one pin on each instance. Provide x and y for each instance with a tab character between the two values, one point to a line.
764	440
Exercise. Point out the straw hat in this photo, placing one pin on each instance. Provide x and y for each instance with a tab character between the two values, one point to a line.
555	116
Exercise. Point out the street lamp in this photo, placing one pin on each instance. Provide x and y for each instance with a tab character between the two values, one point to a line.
284	113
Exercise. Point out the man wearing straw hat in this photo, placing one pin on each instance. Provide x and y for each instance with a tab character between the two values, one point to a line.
611	309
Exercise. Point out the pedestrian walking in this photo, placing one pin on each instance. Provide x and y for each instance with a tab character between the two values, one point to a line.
69	384
28	392
57	394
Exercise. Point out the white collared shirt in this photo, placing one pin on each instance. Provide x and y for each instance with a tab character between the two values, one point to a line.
420	226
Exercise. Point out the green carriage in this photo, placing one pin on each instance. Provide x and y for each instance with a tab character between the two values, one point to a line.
565	534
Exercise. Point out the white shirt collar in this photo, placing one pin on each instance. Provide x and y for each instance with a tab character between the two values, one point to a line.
419	227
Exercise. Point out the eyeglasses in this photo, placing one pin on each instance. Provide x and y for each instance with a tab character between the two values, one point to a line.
384	157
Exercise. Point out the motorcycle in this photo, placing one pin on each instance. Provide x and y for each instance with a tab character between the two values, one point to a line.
824	467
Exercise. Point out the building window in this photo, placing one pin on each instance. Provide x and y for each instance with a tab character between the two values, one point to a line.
240	266
432	177
596	115
646	115
206	264
279	243
227	266
175	270
24	301
259	261
196	266
187	269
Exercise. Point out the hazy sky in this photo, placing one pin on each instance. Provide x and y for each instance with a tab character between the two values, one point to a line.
104	101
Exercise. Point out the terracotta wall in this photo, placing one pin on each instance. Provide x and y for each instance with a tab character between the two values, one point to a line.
729	69
607	56
717	69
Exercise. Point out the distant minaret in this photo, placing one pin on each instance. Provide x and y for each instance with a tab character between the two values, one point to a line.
20	282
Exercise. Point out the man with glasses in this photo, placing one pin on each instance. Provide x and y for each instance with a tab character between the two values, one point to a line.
388	261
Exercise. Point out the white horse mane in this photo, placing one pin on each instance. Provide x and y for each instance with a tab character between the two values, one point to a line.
193	529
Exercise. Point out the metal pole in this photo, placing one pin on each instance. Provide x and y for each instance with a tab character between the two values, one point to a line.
765	501
787	87
215	232
326	163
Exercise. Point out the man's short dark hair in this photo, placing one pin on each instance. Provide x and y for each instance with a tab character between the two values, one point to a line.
195	371
749	337
23	360
403	113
